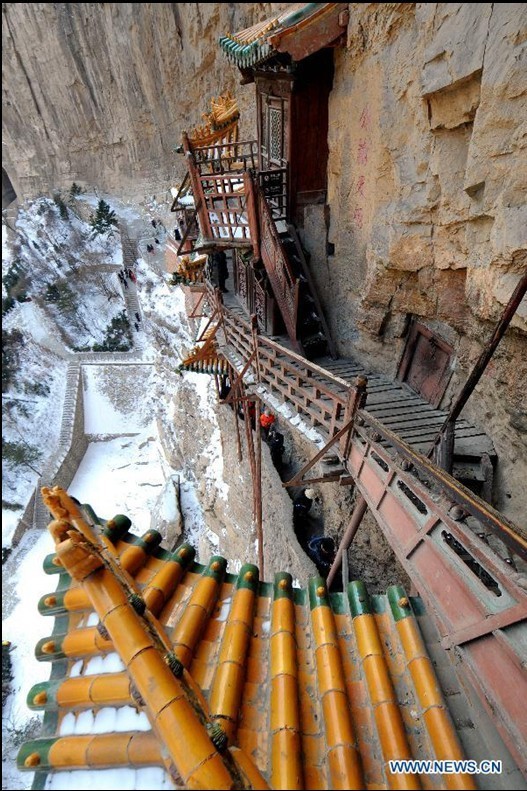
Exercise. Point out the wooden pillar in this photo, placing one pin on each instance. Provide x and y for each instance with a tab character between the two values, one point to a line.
347	538
258	489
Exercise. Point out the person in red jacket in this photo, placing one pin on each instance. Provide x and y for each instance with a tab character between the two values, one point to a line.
266	421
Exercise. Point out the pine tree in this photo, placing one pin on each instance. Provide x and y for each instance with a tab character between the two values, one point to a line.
75	191
59	202
103	219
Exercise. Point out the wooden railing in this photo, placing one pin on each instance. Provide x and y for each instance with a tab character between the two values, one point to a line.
314	393
283	281
226	206
273	184
321	399
227	157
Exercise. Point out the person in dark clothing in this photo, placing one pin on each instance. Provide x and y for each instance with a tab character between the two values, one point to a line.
156	241
219	270
177	234
137	317
302	506
322	552
150	248
276	446
225	388
154	223
136	325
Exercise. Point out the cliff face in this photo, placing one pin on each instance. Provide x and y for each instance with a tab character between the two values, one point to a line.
426	195
98	93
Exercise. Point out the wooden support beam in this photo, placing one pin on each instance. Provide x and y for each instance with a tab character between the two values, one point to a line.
257	483
193	314
356	519
298	479
238	382
483	360
205	329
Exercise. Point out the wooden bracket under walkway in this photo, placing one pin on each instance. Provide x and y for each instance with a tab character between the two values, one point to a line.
357	397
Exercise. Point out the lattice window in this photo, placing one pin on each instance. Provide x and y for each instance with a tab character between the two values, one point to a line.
275	133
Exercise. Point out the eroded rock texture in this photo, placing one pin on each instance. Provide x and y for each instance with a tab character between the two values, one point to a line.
98	93
427	210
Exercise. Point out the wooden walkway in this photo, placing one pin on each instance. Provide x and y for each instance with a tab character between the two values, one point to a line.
400	408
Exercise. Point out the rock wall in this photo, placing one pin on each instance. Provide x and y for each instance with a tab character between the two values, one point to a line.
426	196
98	93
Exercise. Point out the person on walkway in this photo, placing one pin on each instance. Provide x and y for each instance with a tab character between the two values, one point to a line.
266	421
137	317
132	276
276	446
225	387
156	241
322	551
219	270
154	223
150	248
177	234
136	325
301	507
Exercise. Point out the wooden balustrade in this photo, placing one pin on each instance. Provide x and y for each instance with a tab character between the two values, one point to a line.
227	157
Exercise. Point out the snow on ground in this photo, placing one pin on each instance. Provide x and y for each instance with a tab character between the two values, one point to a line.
22	623
125	474
58	263
111	403
121	476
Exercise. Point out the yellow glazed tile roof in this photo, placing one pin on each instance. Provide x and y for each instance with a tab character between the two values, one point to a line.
224	681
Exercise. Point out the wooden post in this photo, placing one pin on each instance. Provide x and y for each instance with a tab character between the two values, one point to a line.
254	333
356	400
258	489
484	359
444	450
347	538
197	188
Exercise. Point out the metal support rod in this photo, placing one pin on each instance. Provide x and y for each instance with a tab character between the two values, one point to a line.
258	488
484	358
250	448
345	571
347	538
